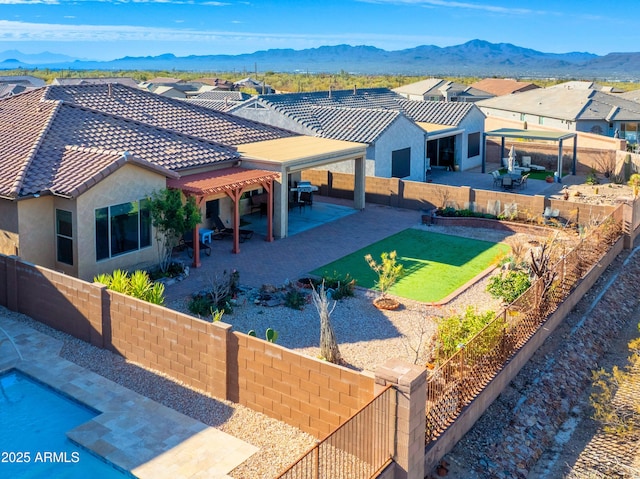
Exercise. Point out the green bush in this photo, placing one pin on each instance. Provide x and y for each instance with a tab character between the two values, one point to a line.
510	286
342	286
200	306
294	299
454	332
137	285
464	213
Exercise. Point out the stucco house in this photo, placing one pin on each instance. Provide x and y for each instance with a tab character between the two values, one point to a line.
569	109
78	164
405	138
436	89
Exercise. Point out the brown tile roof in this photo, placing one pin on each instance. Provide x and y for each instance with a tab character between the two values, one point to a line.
52	146
163	112
503	86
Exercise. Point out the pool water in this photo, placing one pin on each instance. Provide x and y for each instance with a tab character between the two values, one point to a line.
33	421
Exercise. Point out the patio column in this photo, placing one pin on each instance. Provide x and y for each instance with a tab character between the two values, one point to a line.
359	190
268	187
484	153
280	202
560	159
575	155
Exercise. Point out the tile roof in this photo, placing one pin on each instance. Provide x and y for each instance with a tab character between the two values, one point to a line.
361	116
167	113
503	86
438	112
221	95
60	147
567	104
91	81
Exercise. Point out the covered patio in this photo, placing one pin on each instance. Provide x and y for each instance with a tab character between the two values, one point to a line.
513	133
288	157
231	182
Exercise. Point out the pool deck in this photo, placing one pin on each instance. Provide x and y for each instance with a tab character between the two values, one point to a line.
133	432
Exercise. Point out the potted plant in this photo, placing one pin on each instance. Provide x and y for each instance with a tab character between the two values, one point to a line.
549	179
388	271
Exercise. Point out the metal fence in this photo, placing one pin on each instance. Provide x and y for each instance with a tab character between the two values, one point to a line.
359	449
456	382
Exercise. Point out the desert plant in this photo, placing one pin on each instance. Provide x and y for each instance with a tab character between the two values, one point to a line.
455	331
388	271
171	218
510	285
343	286
270	334
634	182
328	344
137	285
294	299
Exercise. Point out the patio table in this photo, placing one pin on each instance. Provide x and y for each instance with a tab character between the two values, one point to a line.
205	235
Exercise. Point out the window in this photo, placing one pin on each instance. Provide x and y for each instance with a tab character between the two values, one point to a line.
122	228
474	145
401	163
64	236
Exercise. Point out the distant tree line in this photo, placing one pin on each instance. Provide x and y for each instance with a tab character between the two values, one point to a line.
285	82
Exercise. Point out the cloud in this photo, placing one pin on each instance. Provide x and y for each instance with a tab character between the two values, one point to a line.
61	2
459	5
24	31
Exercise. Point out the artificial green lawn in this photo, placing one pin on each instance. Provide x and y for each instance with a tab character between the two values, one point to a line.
533	174
435	264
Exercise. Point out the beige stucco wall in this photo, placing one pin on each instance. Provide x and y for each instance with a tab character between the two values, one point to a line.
9	239
129	183
36	224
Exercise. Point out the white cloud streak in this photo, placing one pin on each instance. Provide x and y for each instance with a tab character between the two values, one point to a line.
459	5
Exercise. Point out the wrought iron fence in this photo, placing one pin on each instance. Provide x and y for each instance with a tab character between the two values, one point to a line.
359	449
456	382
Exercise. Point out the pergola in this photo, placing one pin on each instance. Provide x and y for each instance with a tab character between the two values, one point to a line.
232	181
514	133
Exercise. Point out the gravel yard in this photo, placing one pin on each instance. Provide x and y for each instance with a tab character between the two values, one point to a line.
367	337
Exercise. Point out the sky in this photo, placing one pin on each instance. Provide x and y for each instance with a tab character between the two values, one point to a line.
110	29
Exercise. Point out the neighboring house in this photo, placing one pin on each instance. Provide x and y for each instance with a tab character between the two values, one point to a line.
633	95
435	89
260	87
503	86
78	163
26	80
585	85
394	128
10	89
454	132
128	81
216	83
569	109
396	145
220	100
169	91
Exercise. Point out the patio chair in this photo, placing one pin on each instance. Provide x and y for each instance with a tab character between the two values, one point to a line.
186	242
223	232
522	182
526	161
497	180
507	182
306	197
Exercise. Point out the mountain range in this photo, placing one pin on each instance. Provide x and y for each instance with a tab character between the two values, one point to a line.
474	58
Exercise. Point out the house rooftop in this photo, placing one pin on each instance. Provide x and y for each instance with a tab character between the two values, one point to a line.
503	86
57	147
166	113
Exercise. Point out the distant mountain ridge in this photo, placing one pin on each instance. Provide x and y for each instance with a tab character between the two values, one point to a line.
474	58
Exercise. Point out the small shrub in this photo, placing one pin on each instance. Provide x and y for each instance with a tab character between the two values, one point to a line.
137	285
455	331
294	299
509	286
388	271
592	179
342	286
200	306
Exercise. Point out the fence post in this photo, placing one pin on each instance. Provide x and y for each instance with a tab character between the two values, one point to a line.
410	381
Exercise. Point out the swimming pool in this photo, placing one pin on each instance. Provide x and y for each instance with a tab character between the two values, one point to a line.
33	421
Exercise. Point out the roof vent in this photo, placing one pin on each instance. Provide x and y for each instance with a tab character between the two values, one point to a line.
355	90
109	89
